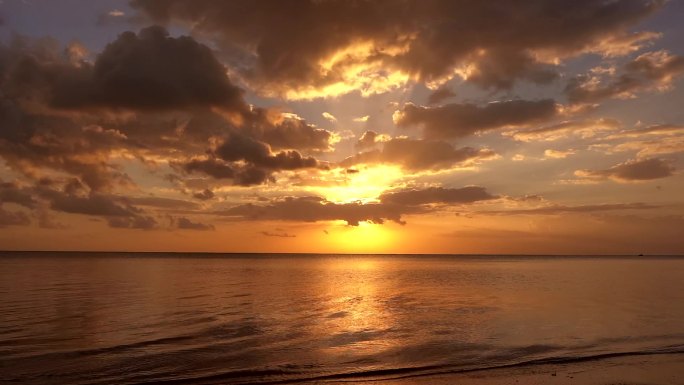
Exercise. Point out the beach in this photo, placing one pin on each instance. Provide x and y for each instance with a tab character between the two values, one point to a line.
664	369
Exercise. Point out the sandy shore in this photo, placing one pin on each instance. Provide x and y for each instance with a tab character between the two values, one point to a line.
664	369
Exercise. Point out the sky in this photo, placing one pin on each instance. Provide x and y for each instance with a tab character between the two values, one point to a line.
336	126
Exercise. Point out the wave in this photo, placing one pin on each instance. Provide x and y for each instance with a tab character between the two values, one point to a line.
256	377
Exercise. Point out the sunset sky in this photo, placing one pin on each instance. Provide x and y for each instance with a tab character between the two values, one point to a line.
350	126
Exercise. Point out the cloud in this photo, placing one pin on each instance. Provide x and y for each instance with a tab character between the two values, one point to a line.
95	205
648	148
288	131
71	197
583	128
562	209
118	211
136	222
558	154
246	161
437	195
362	119
13	218
459	120
293	49
648	72
118	214
30	143
43	128
61	113
421	155
440	95
647	142
147	71
112	16
243	148
316	209
203	195
392	206
163	203
186	224
12	193
40	81
370	138
654	130
280	235
329	117
632	170
218	169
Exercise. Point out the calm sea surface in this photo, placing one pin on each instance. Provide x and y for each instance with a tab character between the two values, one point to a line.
89	318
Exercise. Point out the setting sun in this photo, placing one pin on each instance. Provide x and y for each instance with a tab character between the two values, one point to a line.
364	238
361	185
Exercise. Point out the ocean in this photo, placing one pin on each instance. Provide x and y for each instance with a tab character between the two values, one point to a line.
131	318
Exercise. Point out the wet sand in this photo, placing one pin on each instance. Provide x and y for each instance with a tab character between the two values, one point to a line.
661	369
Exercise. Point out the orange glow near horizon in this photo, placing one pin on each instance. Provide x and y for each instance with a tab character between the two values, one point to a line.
364	238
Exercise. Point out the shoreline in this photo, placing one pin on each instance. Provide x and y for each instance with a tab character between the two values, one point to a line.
655	369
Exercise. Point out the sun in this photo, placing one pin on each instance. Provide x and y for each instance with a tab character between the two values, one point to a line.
361	185
364	238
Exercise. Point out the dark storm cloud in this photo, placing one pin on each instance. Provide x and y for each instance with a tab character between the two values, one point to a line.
649	71
459	120
439	195
287	45
420	155
632	170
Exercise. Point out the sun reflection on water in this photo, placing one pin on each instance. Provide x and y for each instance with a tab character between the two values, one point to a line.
359	320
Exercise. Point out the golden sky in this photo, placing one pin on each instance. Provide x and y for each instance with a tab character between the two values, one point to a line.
420	126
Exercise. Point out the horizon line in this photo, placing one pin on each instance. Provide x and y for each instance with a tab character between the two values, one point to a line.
346	254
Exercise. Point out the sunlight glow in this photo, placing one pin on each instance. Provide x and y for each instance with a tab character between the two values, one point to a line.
364	238
358	67
364	186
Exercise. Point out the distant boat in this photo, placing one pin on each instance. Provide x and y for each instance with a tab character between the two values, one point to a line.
641	255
